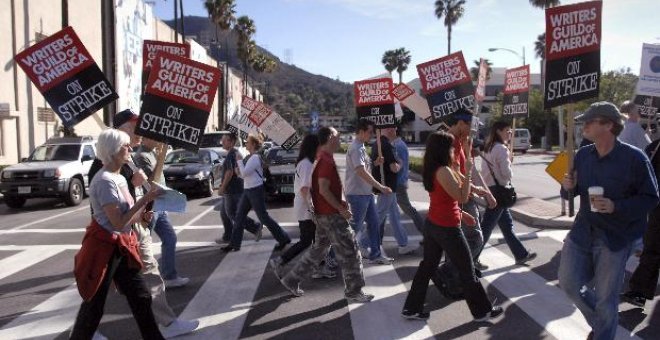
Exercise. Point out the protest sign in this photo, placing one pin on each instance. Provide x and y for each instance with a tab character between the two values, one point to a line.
240	122
179	95
271	123
647	106
647	92
516	92
480	91
66	75
410	99
447	85
374	101
150	49
572	50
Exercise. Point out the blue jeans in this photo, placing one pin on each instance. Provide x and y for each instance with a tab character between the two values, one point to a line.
502	217
363	208
387	207
255	198
228	215
592	276
165	231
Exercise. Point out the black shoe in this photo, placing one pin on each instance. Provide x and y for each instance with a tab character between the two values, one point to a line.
494	312
480	266
281	245
478	273
229	248
408	315
634	298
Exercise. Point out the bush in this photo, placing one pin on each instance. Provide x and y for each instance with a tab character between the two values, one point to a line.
416	164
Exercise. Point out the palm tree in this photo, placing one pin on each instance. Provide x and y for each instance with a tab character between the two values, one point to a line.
544	3
389	60
539	51
246	47
222	13
402	61
262	63
451	10
539	46
474	71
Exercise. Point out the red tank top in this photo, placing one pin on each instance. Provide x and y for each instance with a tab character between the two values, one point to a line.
444	209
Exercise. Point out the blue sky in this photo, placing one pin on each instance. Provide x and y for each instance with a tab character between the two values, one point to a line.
346	39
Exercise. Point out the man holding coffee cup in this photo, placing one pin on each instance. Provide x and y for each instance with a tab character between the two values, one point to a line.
617	189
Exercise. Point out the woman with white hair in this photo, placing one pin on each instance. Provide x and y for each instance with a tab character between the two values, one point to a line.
109	251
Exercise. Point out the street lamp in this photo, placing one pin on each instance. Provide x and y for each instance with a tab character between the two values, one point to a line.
522	57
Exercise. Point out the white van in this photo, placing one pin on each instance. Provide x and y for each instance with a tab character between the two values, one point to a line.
522	140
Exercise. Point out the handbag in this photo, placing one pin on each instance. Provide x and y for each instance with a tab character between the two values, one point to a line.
505	195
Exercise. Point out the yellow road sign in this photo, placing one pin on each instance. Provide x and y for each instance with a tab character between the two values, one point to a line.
558	167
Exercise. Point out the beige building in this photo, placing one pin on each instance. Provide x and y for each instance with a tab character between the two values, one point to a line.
113	32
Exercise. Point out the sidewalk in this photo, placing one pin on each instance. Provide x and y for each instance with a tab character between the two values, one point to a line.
532	211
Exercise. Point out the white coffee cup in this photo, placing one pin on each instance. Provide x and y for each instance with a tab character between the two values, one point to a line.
593	193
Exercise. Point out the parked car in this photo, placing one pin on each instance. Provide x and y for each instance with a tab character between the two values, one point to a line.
193	172
57	168
280	169
522	140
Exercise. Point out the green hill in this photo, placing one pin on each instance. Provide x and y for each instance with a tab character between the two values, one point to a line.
291	91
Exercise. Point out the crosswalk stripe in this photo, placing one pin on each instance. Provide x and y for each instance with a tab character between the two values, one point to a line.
383	282
235	280
48	319
542	301
25	259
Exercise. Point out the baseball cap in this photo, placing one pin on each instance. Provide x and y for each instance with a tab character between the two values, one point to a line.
123	117
601	110
463	114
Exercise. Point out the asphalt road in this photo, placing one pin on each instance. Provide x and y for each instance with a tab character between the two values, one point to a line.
236	295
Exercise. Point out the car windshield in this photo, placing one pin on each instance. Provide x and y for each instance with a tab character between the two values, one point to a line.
184	156
282	155
211	140
61	152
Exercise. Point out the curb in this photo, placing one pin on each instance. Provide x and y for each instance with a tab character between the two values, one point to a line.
517	212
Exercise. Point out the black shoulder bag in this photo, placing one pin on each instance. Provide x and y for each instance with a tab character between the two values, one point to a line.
505	195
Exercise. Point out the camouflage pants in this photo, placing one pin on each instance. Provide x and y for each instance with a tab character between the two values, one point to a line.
331	230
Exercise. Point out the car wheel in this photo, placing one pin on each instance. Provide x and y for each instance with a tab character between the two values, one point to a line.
75	194
209	187
15	202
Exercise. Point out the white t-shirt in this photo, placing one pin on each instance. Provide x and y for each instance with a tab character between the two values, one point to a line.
303	178
634	134
107	188
500	163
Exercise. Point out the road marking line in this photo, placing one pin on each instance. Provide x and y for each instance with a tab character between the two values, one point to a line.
25	259
49	319
236	280
528	291
390	294
50	218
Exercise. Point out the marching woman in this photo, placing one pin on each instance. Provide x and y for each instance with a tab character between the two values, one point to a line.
109	251
302	185
497	162
254	197
442	233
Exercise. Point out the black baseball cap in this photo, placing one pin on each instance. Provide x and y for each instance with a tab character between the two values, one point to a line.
123	117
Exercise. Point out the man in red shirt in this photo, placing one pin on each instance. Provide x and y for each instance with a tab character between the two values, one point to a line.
332	226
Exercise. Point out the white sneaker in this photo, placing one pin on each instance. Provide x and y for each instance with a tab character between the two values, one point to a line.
409	249
381	260
178	327
178	282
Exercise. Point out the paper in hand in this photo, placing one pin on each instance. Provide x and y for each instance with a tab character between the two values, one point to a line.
171	200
